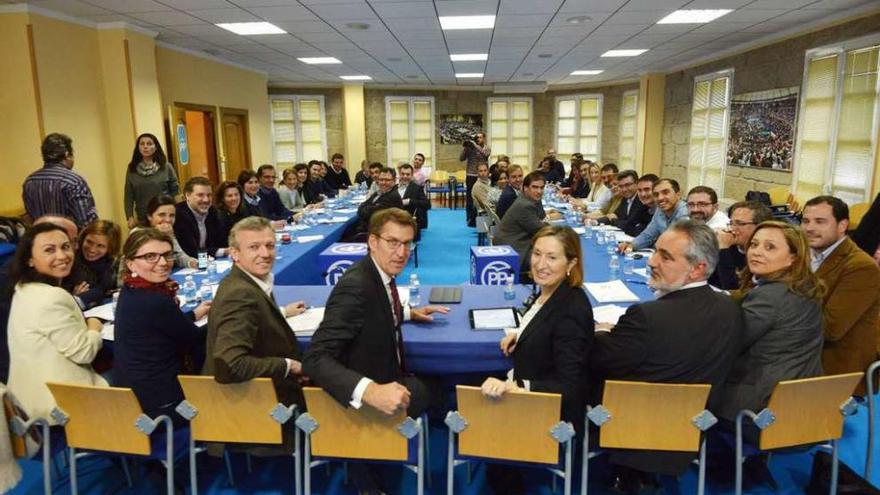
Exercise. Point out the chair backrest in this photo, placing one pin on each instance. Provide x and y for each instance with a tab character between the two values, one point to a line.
652	416
460	176
439	177
856	213
101	418
808	410
232	412
515	428
779	195
350	433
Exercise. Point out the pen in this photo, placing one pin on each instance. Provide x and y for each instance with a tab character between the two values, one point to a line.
636	282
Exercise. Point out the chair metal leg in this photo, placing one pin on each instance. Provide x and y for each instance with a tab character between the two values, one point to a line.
307	465
427	437
124	461
248	464
450	464
567	485
47	457
344	472
553	482
74	488
585	464
420	472
834	468
297	458
739	453
193	475
228	462
701	479
169	455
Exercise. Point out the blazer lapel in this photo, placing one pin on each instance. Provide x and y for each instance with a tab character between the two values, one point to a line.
379	287
244	278
837	257
549	308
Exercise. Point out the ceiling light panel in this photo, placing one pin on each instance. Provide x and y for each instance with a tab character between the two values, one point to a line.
464	75
624	53
251	28
697	16
468	57
356	78
319	60
586	72
455	22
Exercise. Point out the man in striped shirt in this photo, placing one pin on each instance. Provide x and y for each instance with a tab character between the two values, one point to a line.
56	189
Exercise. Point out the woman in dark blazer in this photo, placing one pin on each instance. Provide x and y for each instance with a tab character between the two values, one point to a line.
231	207
551	345
94	272
154	340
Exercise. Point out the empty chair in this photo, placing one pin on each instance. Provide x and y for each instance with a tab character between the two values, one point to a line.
438	183
110	420
520	428
241	413
801	412
338	433
666	417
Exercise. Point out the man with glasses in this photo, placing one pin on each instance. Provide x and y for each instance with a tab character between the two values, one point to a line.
248	333
386	196
631	216
357	354
702	204
734	241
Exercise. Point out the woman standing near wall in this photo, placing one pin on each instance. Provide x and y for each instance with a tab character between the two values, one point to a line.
149	175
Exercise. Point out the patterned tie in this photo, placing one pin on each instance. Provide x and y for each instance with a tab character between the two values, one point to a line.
398	321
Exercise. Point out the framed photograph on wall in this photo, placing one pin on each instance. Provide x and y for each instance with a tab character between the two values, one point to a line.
457	128
762	127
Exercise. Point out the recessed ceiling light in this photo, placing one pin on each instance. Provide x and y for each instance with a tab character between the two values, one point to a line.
412	76
693	16
579	19
319	60
448	23
358	25
528	74
586	72
394	59
356	78
468	74
624	53
468	57
545	55
251	28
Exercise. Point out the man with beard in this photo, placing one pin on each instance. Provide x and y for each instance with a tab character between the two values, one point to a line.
690	334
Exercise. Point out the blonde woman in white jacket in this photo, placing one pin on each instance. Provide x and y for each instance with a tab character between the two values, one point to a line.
49	339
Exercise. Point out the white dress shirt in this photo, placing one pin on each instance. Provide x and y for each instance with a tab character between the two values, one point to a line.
523	323
266	285
819	257
718	221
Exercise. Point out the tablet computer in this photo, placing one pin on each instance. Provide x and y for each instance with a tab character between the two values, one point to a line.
445	295
493	318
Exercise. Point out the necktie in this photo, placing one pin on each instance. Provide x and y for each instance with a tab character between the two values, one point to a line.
398	320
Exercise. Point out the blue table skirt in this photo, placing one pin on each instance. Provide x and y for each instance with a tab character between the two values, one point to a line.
297	264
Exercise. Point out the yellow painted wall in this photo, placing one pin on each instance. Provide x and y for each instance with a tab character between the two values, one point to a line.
19	126
185	78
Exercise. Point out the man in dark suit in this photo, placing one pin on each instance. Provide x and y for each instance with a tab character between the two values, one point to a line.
690	334
271	206
385	197
248	335
524	219
197	227
357	354
412	195
631	216
511	192
337	176
734	240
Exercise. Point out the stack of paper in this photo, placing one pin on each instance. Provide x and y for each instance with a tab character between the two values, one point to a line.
608	313
103	312
309	238
612	291
306	323
107	332
641	271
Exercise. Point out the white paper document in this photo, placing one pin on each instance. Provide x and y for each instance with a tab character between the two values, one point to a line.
306	323
187	271
347	211
202	322
641	271
223	265
608	313
494	318
612	291
580	230
102	312
309	238
107	332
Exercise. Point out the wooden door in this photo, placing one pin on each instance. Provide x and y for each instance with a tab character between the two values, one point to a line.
177	116
199	158
236	149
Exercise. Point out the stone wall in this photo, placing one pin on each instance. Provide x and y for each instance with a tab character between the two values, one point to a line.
334	114
779	65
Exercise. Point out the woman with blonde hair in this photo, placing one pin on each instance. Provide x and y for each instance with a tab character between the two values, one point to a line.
93	277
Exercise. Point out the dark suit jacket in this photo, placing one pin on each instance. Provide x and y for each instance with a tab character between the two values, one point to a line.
271	206
729	261
186	230
508	196
356	338
519	225
634	222
851	310
340	180
688	336
867	235
377	201
248	337
552	350
418	203
782	341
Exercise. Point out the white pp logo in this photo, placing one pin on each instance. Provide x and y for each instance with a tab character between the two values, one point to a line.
349	248
495	273
493	250
336	270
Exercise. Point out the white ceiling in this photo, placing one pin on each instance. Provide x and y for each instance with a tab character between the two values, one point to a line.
533	40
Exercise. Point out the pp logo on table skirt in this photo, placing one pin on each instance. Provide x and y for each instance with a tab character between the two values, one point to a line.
336	270
348	248
493	265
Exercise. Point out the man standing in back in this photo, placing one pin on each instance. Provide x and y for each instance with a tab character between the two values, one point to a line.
412	195
851	307
56	189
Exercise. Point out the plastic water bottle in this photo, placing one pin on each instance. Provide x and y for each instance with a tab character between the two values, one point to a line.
415	299
212	269
588	232
509	292
614	267
206	293
628	265
189	289
203	260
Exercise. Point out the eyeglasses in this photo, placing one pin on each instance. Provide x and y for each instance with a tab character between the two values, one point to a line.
394	244
737	223
699	205
153	258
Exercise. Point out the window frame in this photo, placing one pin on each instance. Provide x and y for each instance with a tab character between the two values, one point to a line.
577	121
635	135
487	125
410	128
838	50
297	124
729	73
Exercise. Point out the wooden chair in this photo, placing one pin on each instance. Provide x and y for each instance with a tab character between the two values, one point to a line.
438	183
801	412
484	428
336	432
247	412
110	419
856	213
871	398
460	187
779	195
22	429
650	416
